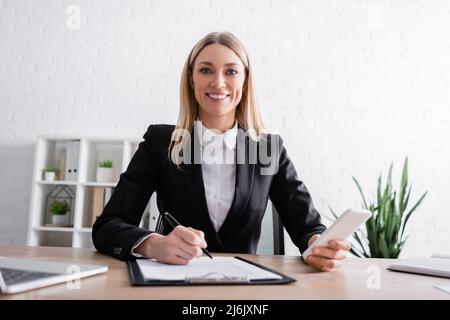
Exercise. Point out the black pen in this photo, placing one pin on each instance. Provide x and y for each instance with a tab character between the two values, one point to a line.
173	222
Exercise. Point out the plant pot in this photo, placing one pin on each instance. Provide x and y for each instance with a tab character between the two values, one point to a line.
105	174
49	176
59	219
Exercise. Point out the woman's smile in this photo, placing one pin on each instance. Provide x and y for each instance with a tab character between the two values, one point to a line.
217	97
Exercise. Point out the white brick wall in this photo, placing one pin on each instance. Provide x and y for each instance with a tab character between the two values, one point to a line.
351	86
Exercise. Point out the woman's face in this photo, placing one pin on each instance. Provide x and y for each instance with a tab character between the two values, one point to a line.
218	79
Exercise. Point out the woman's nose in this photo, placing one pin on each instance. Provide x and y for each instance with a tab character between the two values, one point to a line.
218	81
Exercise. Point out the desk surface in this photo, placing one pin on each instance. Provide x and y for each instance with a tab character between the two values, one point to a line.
348	282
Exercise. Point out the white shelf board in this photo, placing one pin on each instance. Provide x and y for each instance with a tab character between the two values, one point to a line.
58	182
89	138
85	230
58	229
99	184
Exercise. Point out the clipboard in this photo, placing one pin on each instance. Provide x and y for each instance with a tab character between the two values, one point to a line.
138	279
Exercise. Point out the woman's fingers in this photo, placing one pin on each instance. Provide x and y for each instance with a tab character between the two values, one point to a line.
191	251
176	254
186	243
313	238
176	259
328	257
322	263
186	252
339	244
189	236
197	232
330	253
201	235
180	246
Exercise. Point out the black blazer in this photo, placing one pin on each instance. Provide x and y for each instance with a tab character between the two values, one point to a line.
181	192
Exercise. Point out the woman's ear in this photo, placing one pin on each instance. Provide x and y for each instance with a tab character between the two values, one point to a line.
191	82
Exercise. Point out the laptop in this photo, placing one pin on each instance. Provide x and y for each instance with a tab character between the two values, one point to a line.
434	266
18	275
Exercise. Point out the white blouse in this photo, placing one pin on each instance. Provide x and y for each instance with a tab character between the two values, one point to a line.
219	172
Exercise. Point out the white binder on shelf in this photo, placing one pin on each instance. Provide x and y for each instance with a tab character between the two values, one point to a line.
72	155
73	152
76	155
69	157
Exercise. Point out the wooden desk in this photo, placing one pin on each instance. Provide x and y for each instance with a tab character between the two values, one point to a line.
348	282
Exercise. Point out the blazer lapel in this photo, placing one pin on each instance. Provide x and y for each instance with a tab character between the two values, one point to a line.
193	179
245	172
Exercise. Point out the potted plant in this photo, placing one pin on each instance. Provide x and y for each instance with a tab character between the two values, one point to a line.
105	171
50	173
384	236
59	211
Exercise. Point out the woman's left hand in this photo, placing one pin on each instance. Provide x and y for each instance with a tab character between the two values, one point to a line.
328	257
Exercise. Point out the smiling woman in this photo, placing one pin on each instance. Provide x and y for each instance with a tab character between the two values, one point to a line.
218	196
218	87
217	66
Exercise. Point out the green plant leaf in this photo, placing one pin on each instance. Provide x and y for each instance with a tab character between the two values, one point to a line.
399	248
411	211
59	207
387	195
372	237
383	246
332	212
357	253
391	220
106	164
379	183
359	241
361	192
405	203
403	185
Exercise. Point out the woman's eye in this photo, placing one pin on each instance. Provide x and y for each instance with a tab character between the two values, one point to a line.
232	72
205	70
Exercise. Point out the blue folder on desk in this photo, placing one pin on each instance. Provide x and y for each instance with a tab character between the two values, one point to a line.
203	271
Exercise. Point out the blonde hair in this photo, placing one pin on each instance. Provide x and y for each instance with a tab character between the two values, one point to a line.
247	113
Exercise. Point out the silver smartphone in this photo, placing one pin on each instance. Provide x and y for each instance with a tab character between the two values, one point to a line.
341	229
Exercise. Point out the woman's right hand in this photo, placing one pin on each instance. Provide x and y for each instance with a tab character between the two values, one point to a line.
178	247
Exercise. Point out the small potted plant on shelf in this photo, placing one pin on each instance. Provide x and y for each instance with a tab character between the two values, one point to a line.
50	173
105	171
59	211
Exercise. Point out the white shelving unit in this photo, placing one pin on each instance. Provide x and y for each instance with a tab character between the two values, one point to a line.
92	150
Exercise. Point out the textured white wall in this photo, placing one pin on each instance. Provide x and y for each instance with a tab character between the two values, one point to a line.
350	85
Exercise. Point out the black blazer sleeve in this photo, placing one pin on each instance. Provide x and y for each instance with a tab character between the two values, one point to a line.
116	229
293	202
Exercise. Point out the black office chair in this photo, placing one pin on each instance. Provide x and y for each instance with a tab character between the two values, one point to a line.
277	227
278	232
160	222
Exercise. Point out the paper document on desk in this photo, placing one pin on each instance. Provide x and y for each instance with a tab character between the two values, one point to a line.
203	267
